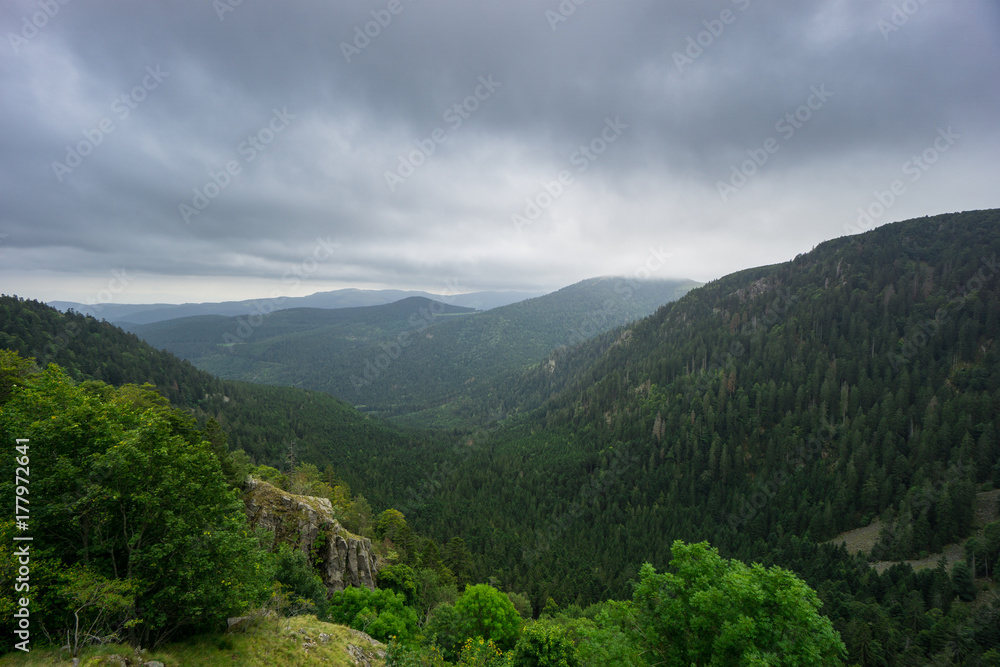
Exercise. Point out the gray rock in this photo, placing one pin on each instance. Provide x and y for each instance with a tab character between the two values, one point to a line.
365	657
307	523
237	620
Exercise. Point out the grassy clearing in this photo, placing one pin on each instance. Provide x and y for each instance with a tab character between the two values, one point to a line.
861	540
301	641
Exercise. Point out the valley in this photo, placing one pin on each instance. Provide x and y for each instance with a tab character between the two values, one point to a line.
567	448
418	359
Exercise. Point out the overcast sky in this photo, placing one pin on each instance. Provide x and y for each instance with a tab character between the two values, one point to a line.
199	151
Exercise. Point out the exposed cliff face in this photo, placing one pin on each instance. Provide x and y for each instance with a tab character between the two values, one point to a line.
307	522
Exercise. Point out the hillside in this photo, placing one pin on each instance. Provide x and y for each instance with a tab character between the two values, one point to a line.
806	379
272	424
763	411
299	641
862	540
412	356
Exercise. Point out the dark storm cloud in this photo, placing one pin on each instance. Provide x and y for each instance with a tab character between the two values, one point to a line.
226	141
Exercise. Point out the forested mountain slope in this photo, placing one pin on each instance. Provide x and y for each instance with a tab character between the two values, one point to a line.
801	399
763	412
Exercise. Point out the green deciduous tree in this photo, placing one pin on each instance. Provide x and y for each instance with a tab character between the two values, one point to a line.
481	652
487	613
382	613
101	607
543	645
605	641
445	628
13	370
711	611
129	488
399	654
433	590
296	575
399	578
358	516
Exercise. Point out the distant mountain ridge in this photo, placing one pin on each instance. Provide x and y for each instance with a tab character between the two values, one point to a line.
119	313
202	336
411	356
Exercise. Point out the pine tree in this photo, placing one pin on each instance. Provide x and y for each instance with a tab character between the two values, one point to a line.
962	582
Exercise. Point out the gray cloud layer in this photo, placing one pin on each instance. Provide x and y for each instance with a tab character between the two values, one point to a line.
542	142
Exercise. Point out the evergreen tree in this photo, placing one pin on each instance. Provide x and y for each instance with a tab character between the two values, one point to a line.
962	582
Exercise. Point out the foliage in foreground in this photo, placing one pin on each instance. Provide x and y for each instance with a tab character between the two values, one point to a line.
713	611
136	532
300	641
705	610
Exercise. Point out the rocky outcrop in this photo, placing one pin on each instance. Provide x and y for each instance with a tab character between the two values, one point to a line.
307	522
369	653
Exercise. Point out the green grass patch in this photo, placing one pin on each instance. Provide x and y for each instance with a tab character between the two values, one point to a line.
300	641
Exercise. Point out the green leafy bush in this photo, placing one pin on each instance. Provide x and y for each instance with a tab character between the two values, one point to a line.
543	645
382	613
296	574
